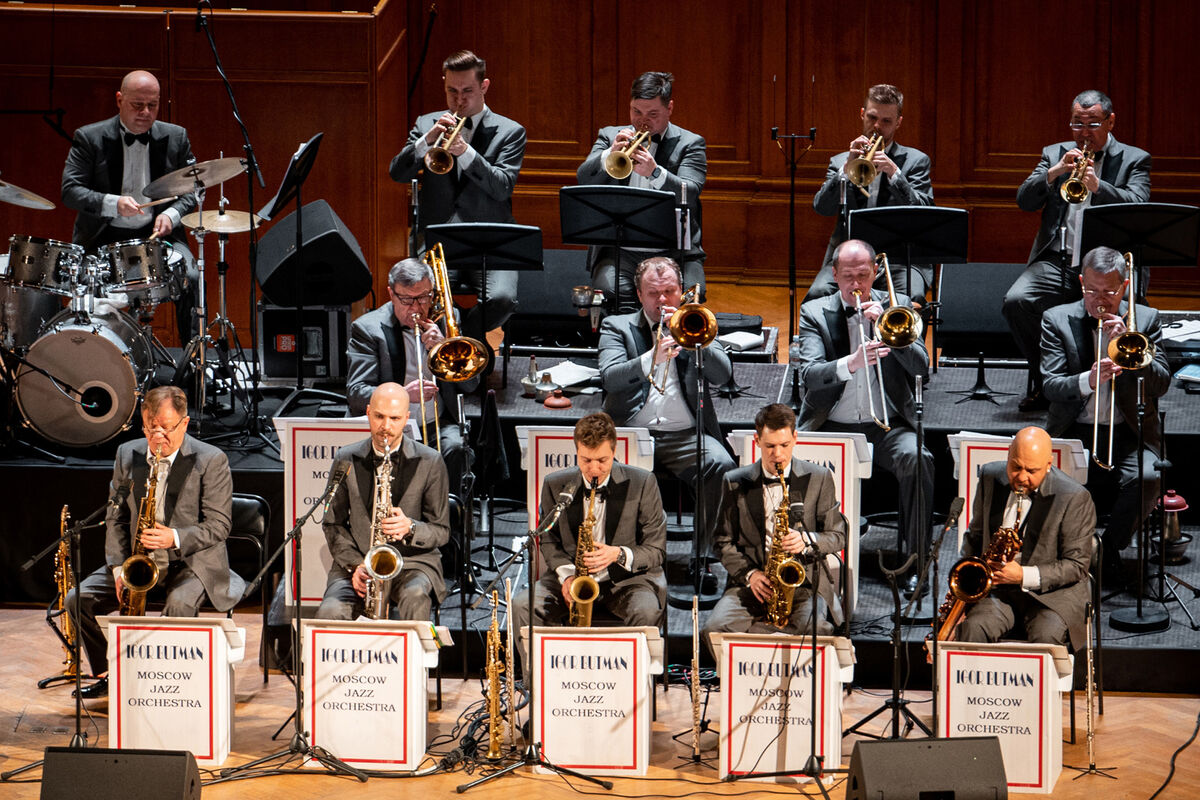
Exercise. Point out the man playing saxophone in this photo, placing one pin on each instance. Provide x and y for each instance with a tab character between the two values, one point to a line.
1042	592
751	499
193	498
416	525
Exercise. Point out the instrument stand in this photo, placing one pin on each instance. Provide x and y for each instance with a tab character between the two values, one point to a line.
897	705
467	585
1167	583
1091	768
532	756
699	719
68	675
792	160
916	614
229	349
981	390
194	351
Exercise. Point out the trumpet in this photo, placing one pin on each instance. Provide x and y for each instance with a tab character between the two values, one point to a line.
438	159
619	163
862	171
456	358
1072	190
691	326
884	423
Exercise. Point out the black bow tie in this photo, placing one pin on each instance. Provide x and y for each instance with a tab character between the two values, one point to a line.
130	138
849	311
656	138
601	494
469	124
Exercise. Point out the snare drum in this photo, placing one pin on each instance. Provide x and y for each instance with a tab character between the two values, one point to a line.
100	365
141	268
47	265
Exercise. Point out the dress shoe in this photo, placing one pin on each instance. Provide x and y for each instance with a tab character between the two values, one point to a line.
909	585
1034	401
708	582
95	691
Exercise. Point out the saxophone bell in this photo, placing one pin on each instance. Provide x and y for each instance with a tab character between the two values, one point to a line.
383	561
784	572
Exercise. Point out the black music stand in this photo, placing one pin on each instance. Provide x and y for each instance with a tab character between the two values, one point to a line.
1157	234
617	216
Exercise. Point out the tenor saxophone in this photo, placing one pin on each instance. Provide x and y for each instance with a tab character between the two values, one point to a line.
784	572
494	669
383	561
584	589
64	581
139	573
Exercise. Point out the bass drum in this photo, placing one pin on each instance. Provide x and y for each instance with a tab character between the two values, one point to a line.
100	365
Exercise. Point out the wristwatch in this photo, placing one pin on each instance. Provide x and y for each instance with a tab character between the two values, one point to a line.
657	172
622	560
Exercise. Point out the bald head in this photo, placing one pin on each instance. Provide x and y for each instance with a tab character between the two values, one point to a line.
387	414
854	269
137	101
1029	458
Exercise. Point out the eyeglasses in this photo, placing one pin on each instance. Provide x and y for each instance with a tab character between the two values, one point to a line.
1091	126
160	429
411	300
1095	293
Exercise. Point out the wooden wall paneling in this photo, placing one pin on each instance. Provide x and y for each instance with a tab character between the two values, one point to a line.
393	38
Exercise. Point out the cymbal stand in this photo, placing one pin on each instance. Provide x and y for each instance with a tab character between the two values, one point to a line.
226	332
196	348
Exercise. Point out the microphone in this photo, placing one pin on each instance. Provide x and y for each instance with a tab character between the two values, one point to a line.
956	508
796	516
199	15
336	476
564	499
122	492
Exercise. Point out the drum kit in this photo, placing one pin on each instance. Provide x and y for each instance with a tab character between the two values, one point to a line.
76	345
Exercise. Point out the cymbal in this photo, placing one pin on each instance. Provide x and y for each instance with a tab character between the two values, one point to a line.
10	193
216	222
206	173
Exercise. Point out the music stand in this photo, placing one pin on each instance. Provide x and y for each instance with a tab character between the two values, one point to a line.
1157	234
617	216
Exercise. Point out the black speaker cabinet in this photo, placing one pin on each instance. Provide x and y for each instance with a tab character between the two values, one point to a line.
335	272
322	341
103	774
970	768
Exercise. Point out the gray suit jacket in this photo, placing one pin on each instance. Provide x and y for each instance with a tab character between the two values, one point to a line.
484	192
633	518
623	340
684	159
1124	178
1068	349
419	488
824	339
96	164
198	505
741	520
372	357
1056	538
910	187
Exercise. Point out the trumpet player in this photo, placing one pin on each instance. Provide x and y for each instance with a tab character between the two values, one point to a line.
900	178
1117	173
842	363
1043	591
629	534
487	152
670	159
1081	383
745	532
417	525
193	501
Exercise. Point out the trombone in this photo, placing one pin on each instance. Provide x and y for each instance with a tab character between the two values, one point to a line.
884	423
1072	190
691	326
456	358
862	170
619	163
438	159
437	428
898	326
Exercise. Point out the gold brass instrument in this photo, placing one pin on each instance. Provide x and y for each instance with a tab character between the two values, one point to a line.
884	423
658	369
438	159
1103	463
383	561
971	578
691	326
694	678
456	358
64	581
494	668
898	326
619	163
784	572
437	427
584	589
1072	190
861	171
510	647
139	573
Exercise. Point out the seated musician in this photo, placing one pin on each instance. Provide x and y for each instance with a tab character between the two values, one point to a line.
1078	382
416	521
192	503
1043	591
745	535
383	347
628	533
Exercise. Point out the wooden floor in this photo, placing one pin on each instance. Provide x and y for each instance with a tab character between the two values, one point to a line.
1137	735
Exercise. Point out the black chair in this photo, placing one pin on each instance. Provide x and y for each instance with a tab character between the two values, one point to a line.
251	519
546	320
971	322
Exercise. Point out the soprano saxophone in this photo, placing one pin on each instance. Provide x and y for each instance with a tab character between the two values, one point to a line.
784	572
584	589
494	669
139	573
383	561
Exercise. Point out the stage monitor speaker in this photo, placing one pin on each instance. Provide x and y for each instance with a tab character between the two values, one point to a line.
105	774
971	320
970	768
335	272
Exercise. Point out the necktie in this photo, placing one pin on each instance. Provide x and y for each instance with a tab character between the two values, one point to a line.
130	138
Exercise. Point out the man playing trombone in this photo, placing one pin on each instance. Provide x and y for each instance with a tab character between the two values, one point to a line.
1094	399
855	383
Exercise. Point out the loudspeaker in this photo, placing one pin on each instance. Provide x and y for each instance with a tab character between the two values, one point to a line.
970	768
323	341
335	272
972	296
103	774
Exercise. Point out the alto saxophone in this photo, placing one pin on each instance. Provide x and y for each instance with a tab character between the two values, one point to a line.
971	578
494	669
584	589
139	573
784	572
383	561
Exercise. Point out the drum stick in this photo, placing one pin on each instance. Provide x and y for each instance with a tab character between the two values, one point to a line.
153	203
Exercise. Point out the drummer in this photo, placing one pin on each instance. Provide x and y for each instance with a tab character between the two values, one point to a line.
111	162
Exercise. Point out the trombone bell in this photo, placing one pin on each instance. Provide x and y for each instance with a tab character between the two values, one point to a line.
692	325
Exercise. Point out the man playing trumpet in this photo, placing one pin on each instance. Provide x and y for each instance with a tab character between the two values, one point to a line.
745	533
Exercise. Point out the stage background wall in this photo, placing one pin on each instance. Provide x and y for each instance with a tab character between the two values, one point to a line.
985	90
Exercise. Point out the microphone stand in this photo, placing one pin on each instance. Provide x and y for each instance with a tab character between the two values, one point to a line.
922	531
792	161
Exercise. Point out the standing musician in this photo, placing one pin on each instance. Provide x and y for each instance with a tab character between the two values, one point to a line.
193	502
1078	381
840	376
901	179
672	160
1043	590
384	348
648	384
486	153
629	533
417	525
1114	173
112	161
745	532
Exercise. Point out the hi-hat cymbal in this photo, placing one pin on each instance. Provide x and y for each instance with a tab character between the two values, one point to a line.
216	222
206	173
10	193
